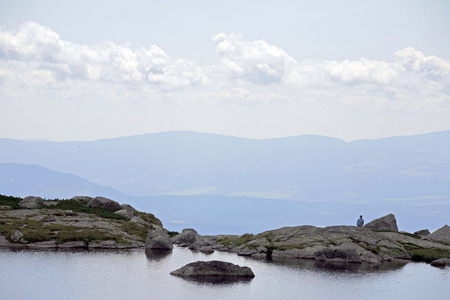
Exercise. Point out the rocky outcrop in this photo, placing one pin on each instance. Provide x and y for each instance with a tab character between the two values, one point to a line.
441	235
386	223
32	202
50	227
104	203
213	269
422	233
158	239
330	244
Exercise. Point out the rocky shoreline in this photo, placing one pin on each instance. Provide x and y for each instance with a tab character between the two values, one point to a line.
44	224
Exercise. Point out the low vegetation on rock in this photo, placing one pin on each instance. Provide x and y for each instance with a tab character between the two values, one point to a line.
71	223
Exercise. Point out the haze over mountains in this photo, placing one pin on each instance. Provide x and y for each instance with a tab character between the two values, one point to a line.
215	182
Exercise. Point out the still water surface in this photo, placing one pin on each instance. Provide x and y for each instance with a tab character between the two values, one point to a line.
140	275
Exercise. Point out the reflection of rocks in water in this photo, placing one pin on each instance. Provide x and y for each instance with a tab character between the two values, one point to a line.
219	280
311	264
157	254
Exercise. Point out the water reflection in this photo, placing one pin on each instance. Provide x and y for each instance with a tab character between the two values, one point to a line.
157	254
216	280
315	265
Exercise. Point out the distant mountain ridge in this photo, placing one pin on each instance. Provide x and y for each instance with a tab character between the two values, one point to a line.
25	180
205	180
173	163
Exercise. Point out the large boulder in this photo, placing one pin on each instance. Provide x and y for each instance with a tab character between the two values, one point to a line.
422	233
212	269
31	202
187	237
341	253
104	203
440	235
386	223
158	239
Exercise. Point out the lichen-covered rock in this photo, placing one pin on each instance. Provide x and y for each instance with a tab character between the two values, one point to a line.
31	202
104	203
387	222
158	239
440	235
212	269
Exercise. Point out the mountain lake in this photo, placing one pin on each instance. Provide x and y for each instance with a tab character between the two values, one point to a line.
140	274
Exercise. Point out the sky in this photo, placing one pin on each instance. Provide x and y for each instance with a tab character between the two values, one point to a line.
86	70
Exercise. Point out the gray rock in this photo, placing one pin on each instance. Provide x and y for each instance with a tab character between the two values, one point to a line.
341	253
188	237
127	213
104	203
17	237
5	207
387	222
422	233
212	269
31	202
158	239
441	262
440	235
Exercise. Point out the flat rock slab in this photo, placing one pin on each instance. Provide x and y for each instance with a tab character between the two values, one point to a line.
213	268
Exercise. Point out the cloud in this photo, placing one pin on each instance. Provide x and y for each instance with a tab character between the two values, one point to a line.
254	61
45	53
34	60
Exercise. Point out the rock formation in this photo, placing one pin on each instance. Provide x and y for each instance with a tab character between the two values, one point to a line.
422	233
104	203
386	223
441	235
52	227
159	240
441	262
334	243
212	269
31	202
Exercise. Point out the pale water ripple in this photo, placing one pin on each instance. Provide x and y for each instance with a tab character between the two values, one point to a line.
137	275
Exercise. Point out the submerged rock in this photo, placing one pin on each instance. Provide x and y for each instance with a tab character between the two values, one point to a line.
388	223
212	269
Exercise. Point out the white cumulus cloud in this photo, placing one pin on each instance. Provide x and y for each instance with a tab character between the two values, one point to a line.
254	61
44	51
